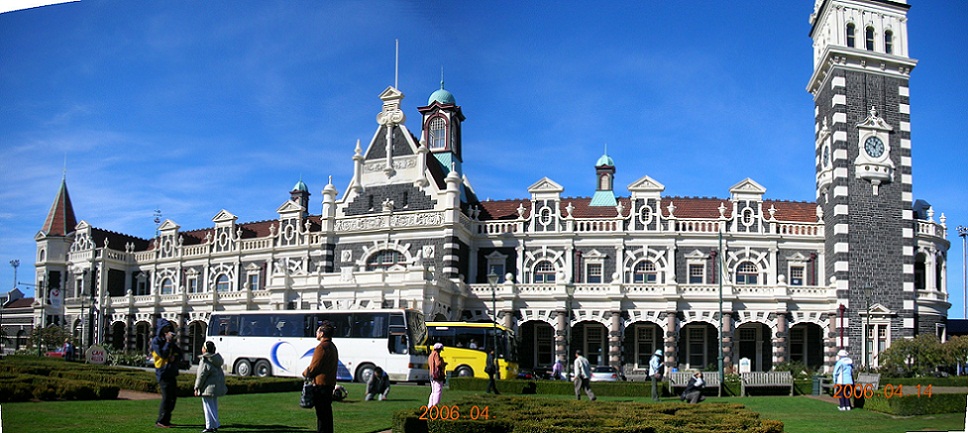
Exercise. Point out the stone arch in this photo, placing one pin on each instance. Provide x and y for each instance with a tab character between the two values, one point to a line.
557	259
634	257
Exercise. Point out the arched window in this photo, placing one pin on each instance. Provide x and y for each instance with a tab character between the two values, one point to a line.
747	273
645	273
870	38
167	287
222	283
544	272
437	133
889	42
850	35
385	259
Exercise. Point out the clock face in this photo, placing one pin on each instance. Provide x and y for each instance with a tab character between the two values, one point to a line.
874	147
826	156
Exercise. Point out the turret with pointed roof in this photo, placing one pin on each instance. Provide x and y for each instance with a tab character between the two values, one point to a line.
60	219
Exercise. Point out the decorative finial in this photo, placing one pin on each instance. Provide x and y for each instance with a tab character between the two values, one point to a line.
396	66
441	77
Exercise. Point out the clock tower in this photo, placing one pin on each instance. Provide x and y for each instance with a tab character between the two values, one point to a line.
860	86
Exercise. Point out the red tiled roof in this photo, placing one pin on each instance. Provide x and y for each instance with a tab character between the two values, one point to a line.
115	240
60	219
20	303
685	207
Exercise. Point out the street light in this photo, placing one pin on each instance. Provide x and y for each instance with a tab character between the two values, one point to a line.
3	302
868	294
963	232
492	279
570	291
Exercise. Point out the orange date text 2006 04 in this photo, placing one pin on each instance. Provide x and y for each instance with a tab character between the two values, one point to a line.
453	413
890	390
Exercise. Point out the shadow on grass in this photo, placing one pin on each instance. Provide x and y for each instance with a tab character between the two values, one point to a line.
265	428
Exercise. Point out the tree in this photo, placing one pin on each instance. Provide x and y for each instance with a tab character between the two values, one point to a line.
47	337
913	357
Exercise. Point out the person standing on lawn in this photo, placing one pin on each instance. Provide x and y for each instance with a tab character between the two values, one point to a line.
322	371
583	374
210	385
491	367
655	373
437	374
844	376
166	355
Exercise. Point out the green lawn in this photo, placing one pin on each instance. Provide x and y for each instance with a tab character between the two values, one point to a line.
280	412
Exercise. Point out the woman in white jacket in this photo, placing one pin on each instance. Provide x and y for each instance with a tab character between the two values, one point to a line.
844	376
210	385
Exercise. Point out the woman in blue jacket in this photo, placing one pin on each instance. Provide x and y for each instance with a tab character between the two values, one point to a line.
844	376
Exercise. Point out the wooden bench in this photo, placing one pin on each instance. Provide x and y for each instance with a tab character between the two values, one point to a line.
869	378
760	379
680	379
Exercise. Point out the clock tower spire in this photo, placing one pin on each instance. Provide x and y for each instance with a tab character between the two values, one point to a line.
860	85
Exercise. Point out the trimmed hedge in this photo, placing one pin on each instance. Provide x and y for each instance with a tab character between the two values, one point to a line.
613	389
526	415
26	387
910	405
75	380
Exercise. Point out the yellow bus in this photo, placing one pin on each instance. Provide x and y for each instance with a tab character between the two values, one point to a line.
466	345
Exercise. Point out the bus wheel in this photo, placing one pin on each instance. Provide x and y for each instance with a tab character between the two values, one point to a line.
364	372
243	367
263	368
465	371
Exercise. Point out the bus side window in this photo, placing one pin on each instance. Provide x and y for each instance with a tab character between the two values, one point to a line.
398	343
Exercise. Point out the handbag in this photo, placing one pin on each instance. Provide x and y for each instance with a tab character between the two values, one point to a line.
308	390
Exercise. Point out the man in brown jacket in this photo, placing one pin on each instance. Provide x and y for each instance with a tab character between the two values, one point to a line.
322	370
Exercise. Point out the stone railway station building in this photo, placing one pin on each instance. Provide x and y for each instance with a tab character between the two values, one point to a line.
616	275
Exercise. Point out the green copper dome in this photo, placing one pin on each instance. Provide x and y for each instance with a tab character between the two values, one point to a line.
605	160
300	186
441	95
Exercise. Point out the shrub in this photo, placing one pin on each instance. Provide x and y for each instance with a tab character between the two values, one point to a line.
909	405
525	415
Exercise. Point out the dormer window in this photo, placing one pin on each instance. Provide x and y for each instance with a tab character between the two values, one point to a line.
870	38
850	35
437	134
889	42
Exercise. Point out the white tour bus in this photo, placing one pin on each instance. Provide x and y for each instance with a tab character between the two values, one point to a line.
281	343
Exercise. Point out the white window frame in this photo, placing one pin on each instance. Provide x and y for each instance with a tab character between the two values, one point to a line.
437	133
689	274
497	263
548	276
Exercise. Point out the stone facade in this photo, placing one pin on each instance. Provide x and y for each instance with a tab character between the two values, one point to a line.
617	281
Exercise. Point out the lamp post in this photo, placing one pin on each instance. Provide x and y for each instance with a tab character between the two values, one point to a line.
570	291
963	232
492	279
868	294
3	302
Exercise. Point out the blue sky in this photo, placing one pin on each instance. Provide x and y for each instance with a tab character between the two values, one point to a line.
194	107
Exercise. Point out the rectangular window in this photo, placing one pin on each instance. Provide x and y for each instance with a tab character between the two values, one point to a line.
696	273
193	285
796	275
593	274
645	345
697	347
496	269
254	282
